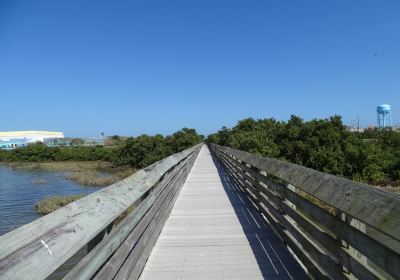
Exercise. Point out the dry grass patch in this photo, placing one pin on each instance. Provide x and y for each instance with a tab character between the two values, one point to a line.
95	178
50	204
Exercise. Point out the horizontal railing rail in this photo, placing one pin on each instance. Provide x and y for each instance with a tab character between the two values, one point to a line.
118	224
337	228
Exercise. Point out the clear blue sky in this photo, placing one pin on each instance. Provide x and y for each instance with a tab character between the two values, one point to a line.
132	67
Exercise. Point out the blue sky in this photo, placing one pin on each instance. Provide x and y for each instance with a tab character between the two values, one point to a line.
132	67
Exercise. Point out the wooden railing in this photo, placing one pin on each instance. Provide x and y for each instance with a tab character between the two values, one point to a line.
119	224
337	228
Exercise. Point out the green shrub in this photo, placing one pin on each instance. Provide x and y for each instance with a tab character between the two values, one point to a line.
322	144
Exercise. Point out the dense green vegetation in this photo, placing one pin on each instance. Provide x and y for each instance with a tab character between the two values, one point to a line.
323	144
137	152
39	152
144	150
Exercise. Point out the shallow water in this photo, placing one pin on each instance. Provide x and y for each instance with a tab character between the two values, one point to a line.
21	189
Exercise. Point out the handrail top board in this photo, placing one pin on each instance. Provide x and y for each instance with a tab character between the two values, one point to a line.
372	206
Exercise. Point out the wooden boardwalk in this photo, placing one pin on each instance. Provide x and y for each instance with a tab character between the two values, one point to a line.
213	232
193	221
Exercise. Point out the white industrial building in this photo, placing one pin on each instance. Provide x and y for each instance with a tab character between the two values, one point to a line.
30	136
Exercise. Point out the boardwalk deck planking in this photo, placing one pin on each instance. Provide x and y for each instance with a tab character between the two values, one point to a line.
213	232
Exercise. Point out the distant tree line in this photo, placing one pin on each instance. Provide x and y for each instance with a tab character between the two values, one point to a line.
137	152
39	152
372	156
144	150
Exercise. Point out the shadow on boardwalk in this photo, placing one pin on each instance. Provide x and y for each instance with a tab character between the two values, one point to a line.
273	258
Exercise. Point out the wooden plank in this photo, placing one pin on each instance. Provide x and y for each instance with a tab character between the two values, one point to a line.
151	229
313	268
276	196
90	264
68	229
213	232
114	264
137	264
322	237
319	255
384	256
119	259
348	196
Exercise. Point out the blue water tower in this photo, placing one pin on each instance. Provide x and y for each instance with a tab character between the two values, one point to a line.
384	116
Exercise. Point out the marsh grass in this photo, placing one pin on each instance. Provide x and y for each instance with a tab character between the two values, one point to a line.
87	173
96	178
63	166
50	204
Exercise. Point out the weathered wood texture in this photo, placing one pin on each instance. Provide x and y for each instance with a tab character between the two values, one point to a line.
338	228
36	250
214	232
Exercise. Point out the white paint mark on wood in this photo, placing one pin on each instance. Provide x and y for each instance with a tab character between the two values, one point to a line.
46	246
